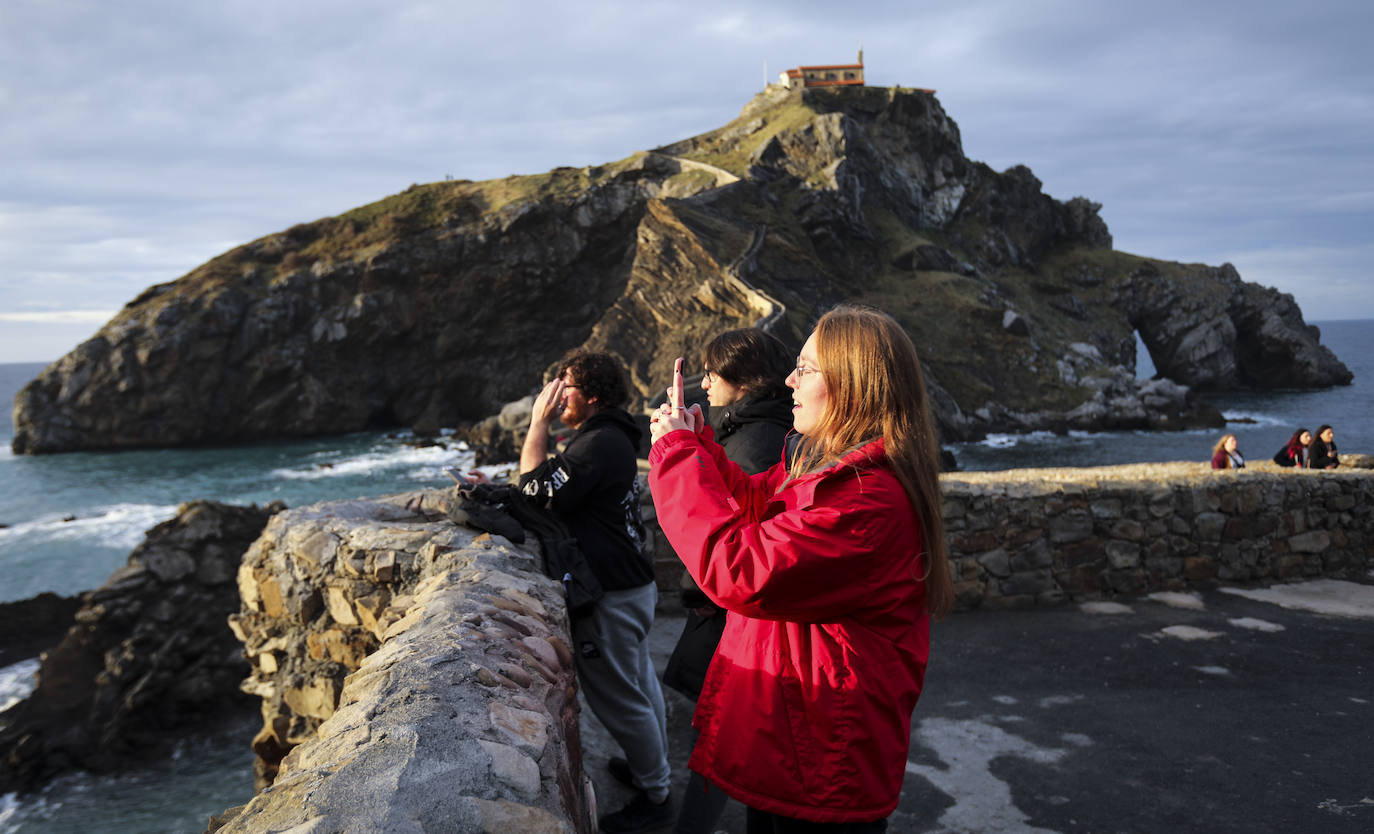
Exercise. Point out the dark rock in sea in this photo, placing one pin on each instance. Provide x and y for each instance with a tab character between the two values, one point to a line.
147	658
30	626
436	306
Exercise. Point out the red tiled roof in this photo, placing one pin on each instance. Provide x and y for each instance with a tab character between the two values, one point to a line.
833	67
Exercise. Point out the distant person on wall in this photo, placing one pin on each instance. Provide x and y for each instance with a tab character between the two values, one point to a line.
593	486
1323	449
1296	451
1225	455
830	564
751	413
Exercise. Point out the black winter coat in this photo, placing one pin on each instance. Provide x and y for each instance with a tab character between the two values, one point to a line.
593	487
1323	454
751	430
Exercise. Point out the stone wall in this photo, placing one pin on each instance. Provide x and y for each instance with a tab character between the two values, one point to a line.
414	676
1043	536
1028	537
415	672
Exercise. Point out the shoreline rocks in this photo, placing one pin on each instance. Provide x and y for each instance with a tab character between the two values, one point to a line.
147	655
30	626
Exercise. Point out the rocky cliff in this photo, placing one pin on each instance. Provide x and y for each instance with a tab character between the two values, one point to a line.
439	304
147	658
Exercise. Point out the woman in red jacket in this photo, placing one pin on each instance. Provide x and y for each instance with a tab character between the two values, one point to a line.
830	565
1226	455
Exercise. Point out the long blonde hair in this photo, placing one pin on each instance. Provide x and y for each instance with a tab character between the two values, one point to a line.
1221	447
876	389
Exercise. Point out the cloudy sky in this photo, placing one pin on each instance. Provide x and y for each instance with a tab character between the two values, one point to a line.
142	138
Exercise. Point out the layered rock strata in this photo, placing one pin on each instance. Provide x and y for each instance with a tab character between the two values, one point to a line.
436	306
148	658
414	674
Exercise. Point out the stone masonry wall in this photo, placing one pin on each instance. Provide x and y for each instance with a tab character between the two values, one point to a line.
414	676
1043	536
415	673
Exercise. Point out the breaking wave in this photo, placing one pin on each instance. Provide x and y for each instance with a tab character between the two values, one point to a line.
16	682
119	526
422	463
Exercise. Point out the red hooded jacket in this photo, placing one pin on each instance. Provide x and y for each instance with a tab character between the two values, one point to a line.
806	708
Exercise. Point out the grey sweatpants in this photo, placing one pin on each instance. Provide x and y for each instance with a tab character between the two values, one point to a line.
618	680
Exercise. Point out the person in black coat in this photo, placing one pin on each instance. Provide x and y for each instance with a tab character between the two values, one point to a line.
1323	449
751	414
1296	452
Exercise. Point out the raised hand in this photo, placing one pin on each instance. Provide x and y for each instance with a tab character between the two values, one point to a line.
676	397
549	403
672	415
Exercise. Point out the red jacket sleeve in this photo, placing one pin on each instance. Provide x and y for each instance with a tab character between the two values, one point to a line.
821	551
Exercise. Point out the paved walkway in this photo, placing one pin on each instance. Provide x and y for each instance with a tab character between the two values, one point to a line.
1182	713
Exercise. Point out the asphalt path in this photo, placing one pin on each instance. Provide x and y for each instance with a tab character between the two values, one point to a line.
1211	712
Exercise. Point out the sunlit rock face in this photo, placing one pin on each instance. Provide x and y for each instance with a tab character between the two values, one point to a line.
436	306
411	668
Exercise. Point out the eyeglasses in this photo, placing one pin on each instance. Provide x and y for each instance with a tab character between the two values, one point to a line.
708	378
801	370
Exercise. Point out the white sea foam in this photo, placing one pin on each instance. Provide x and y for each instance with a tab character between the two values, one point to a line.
16	682
1254	418
9	805
121	526
1006	441
423	463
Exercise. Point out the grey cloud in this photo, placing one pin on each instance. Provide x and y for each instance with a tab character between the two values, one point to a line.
158	134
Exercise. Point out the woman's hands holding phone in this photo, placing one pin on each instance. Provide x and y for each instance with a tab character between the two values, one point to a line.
674	415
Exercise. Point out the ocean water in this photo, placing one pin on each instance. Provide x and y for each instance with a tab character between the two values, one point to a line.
1261	422
72	519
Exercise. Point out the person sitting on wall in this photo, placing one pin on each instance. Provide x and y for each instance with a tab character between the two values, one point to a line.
1296	451
1225	455
1323	449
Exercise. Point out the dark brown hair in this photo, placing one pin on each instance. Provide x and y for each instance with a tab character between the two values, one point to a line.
749	359
599	375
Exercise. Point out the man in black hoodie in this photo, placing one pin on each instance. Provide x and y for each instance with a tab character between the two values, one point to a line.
593	487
